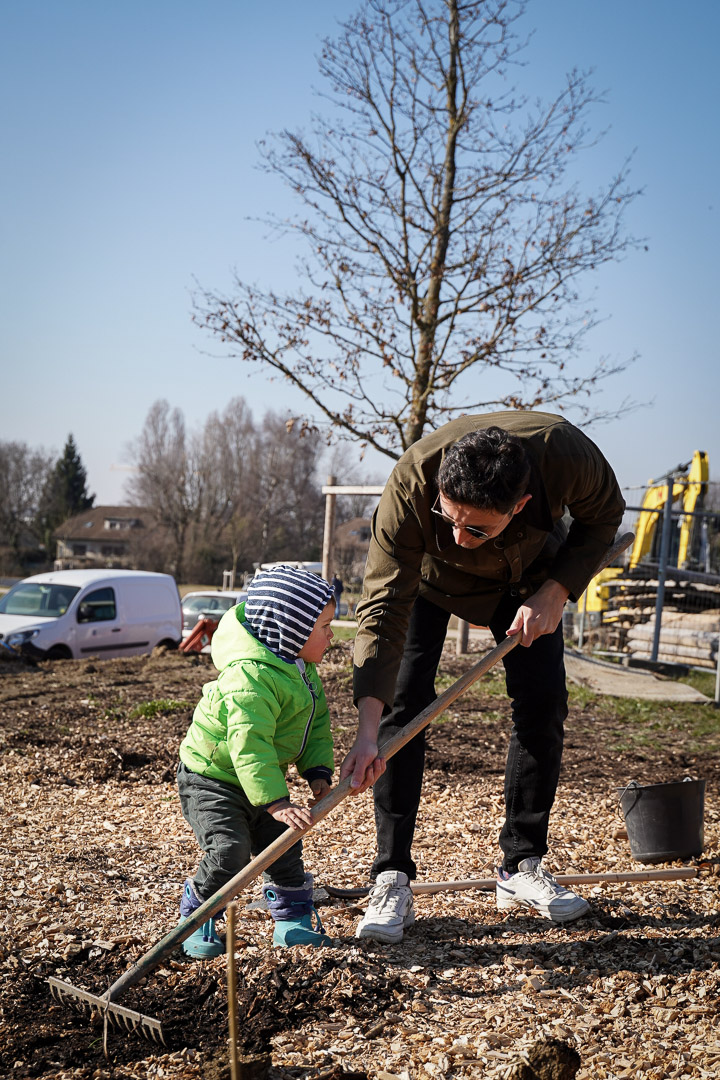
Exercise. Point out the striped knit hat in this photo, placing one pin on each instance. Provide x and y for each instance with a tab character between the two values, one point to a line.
282	607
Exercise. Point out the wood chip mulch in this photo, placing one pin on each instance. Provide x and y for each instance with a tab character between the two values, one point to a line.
94	852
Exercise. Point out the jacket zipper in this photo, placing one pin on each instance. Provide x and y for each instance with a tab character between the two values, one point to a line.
312	713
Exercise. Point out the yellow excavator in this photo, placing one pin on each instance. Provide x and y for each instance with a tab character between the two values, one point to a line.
689	485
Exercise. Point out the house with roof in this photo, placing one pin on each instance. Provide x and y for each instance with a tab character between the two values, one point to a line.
104	536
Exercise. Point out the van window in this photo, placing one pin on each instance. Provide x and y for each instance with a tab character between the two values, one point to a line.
40	600
98	606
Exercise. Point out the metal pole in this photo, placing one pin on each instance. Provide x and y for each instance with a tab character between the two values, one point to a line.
461	641
327	554
662	569
717	675
583	612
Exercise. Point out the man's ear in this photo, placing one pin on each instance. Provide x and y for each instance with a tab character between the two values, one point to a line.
521	504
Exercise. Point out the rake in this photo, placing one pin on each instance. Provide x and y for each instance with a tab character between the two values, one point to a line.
105	1005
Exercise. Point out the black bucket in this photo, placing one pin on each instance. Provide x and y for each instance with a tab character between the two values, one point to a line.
664	821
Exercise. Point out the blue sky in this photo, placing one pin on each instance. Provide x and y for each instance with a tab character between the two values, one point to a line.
129	134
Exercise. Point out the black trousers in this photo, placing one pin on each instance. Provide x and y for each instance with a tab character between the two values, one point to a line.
535	679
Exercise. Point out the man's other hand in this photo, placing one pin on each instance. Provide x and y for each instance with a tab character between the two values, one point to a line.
541	614
363	764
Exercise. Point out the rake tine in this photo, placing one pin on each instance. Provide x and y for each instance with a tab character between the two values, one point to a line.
105	1034
118	1015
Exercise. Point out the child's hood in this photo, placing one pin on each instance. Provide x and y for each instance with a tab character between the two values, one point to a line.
232	641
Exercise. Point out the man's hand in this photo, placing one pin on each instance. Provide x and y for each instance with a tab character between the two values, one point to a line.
364	764
320	789
297	817
541	614
362	761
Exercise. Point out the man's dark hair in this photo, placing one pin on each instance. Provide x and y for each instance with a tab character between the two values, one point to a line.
487	469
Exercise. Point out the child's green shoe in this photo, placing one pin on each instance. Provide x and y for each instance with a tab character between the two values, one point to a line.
296	920
300	931
204	943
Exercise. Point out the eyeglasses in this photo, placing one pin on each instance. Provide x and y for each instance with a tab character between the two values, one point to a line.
472	530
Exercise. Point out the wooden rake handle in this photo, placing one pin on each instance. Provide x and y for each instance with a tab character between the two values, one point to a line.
159	952
488	884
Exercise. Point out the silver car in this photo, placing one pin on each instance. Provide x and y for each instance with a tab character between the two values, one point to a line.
210	603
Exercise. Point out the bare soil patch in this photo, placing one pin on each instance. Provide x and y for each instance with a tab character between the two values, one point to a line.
95	850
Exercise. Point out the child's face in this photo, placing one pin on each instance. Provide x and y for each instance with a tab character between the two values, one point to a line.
320	636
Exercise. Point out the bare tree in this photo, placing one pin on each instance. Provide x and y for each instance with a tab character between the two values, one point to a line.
23	475
227	455
164	480
290	506
447	239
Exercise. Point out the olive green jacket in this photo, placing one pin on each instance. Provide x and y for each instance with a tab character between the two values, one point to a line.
412	550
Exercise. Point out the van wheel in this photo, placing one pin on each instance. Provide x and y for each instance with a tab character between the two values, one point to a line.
58	652
167	643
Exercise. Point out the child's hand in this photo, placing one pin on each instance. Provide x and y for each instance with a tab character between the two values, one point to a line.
319	788
297	817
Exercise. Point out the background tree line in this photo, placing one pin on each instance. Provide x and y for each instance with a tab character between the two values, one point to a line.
228	495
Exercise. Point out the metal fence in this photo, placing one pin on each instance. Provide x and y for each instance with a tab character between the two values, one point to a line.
662	605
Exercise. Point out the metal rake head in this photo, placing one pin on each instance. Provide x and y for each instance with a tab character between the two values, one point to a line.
91	1005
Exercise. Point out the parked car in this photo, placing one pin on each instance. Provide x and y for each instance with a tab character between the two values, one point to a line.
313	567
67	614
212	603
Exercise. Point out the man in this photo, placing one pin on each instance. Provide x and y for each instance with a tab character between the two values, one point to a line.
474	522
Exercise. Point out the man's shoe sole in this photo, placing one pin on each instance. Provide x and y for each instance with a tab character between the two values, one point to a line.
504	903
386	936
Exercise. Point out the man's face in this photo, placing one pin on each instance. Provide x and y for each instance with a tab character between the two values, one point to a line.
460	517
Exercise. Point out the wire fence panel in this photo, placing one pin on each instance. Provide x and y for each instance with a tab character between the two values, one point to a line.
662	606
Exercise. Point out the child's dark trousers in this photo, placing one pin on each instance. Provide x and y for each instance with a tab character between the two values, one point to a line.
230	832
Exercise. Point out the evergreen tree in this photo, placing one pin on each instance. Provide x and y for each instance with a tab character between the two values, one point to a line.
65	493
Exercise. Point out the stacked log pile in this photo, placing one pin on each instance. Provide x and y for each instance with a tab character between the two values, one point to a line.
685	638
691	603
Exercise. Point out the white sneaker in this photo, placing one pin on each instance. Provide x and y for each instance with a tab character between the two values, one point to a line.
390	908
533	887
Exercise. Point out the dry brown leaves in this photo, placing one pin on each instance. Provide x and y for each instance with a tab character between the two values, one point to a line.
93	857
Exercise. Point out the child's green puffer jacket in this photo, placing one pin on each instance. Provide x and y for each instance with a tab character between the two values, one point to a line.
258	716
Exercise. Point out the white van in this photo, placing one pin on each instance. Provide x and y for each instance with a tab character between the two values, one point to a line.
68	614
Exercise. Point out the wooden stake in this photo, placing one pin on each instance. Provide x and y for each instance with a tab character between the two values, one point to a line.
232	991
